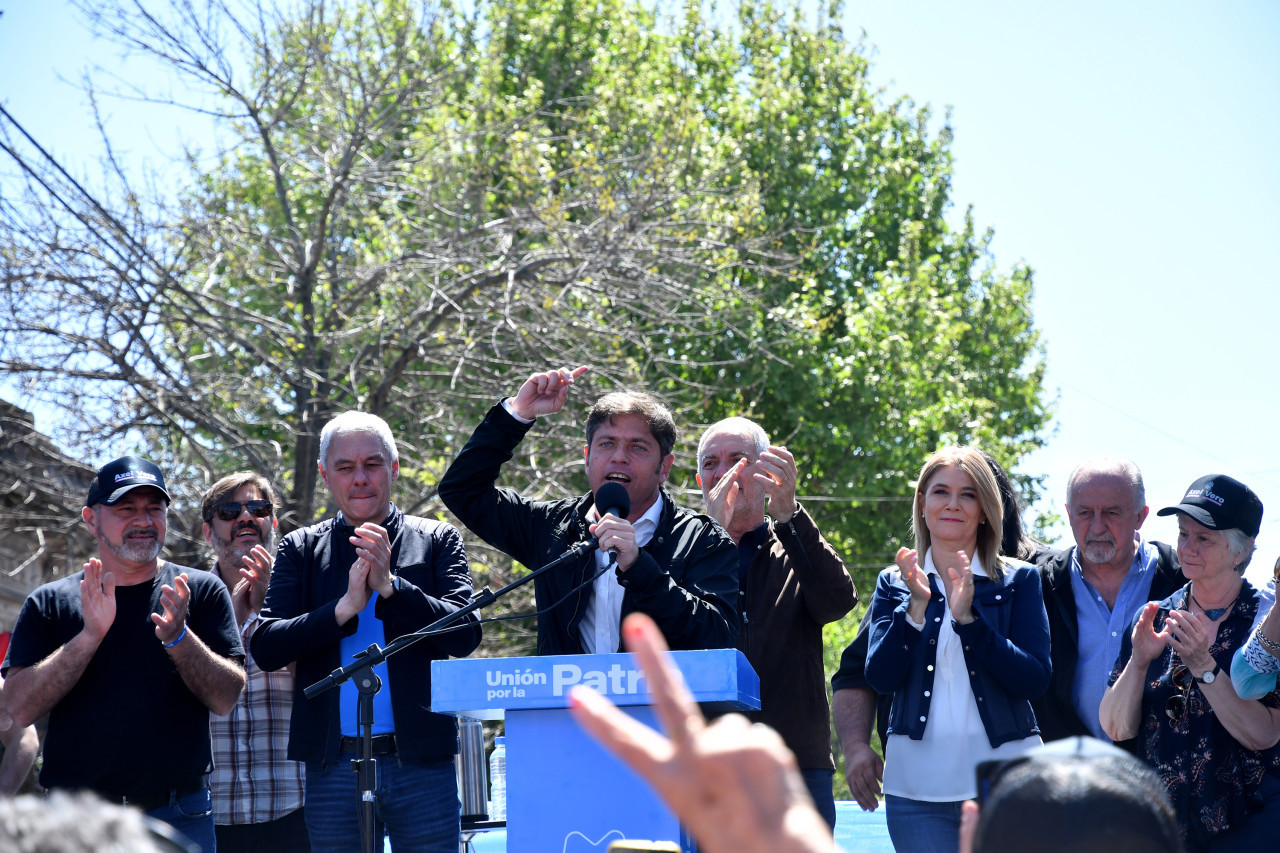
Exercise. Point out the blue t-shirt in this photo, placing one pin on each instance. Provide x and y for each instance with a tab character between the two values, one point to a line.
368	631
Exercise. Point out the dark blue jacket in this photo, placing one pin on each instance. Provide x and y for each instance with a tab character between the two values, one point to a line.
1006	649
298	624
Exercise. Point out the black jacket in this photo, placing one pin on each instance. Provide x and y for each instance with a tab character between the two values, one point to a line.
686	577
1055	711
298	623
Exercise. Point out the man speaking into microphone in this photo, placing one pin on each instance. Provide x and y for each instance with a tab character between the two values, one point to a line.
654	557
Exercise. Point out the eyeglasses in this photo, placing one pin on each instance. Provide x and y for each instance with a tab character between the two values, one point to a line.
1176	707
230	510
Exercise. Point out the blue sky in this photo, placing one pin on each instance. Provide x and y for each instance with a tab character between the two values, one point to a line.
1126	151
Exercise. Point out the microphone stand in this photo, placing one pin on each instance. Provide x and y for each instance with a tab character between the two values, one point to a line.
368	684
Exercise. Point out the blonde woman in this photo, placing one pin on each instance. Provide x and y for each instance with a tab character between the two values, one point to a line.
960	638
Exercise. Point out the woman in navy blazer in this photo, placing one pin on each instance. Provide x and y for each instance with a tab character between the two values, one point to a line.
960	638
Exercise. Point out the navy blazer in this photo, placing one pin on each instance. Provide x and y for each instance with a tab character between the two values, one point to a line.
1006	650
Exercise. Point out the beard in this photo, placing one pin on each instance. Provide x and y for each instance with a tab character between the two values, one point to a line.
230	551
133	550
1100	550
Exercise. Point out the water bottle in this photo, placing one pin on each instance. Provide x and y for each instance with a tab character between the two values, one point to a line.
498	780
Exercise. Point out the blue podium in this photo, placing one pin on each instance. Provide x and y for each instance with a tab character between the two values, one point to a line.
565	794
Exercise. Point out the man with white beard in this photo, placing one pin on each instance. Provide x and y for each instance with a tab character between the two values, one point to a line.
128	658
1092	590
257	790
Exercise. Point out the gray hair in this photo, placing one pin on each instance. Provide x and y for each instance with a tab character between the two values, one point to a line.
744	426
349	423
1242	546
74	823
1122	468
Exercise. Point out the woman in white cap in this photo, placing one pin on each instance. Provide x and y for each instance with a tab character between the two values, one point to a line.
1171	687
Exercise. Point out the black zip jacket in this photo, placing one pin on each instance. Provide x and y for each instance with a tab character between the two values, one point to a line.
686	577
298	623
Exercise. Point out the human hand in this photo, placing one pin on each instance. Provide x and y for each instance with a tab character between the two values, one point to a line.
256	572
736	786
864	771
97	599
356	598
1189	637
960	590
776	471
373	545
617	535
172	618
545	393
723	496
908	562
969	813
1148	644
250	590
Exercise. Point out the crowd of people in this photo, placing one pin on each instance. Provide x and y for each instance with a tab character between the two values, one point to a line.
980	650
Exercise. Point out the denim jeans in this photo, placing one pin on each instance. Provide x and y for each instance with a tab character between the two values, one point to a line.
819	784
192	816
916	826
417	806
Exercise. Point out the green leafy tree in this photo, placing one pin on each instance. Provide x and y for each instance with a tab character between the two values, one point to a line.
415	205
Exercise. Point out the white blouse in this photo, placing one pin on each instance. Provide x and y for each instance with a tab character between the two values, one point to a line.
940	767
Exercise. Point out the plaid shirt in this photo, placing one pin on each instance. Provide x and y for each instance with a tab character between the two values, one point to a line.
252	780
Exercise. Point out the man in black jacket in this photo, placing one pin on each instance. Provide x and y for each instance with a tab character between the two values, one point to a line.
672	564
1091	591
369	575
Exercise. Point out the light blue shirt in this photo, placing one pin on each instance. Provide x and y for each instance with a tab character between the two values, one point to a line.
1102	629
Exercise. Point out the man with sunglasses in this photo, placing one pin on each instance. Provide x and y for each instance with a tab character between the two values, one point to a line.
257	790
128	658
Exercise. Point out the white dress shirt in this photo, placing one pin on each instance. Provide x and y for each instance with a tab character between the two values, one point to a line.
600	628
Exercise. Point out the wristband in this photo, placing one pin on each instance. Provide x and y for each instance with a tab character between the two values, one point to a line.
178	640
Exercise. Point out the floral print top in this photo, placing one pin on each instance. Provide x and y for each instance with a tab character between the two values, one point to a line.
1212	779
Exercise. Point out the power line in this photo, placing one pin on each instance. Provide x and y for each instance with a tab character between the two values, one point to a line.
833	498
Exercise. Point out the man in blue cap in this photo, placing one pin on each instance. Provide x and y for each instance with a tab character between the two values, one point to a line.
127	658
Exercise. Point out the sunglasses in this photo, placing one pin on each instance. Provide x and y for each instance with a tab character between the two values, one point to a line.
230	510
1176	707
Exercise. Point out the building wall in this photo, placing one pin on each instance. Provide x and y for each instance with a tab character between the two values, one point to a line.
41	493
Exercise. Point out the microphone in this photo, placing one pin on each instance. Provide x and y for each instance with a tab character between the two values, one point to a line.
612	499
